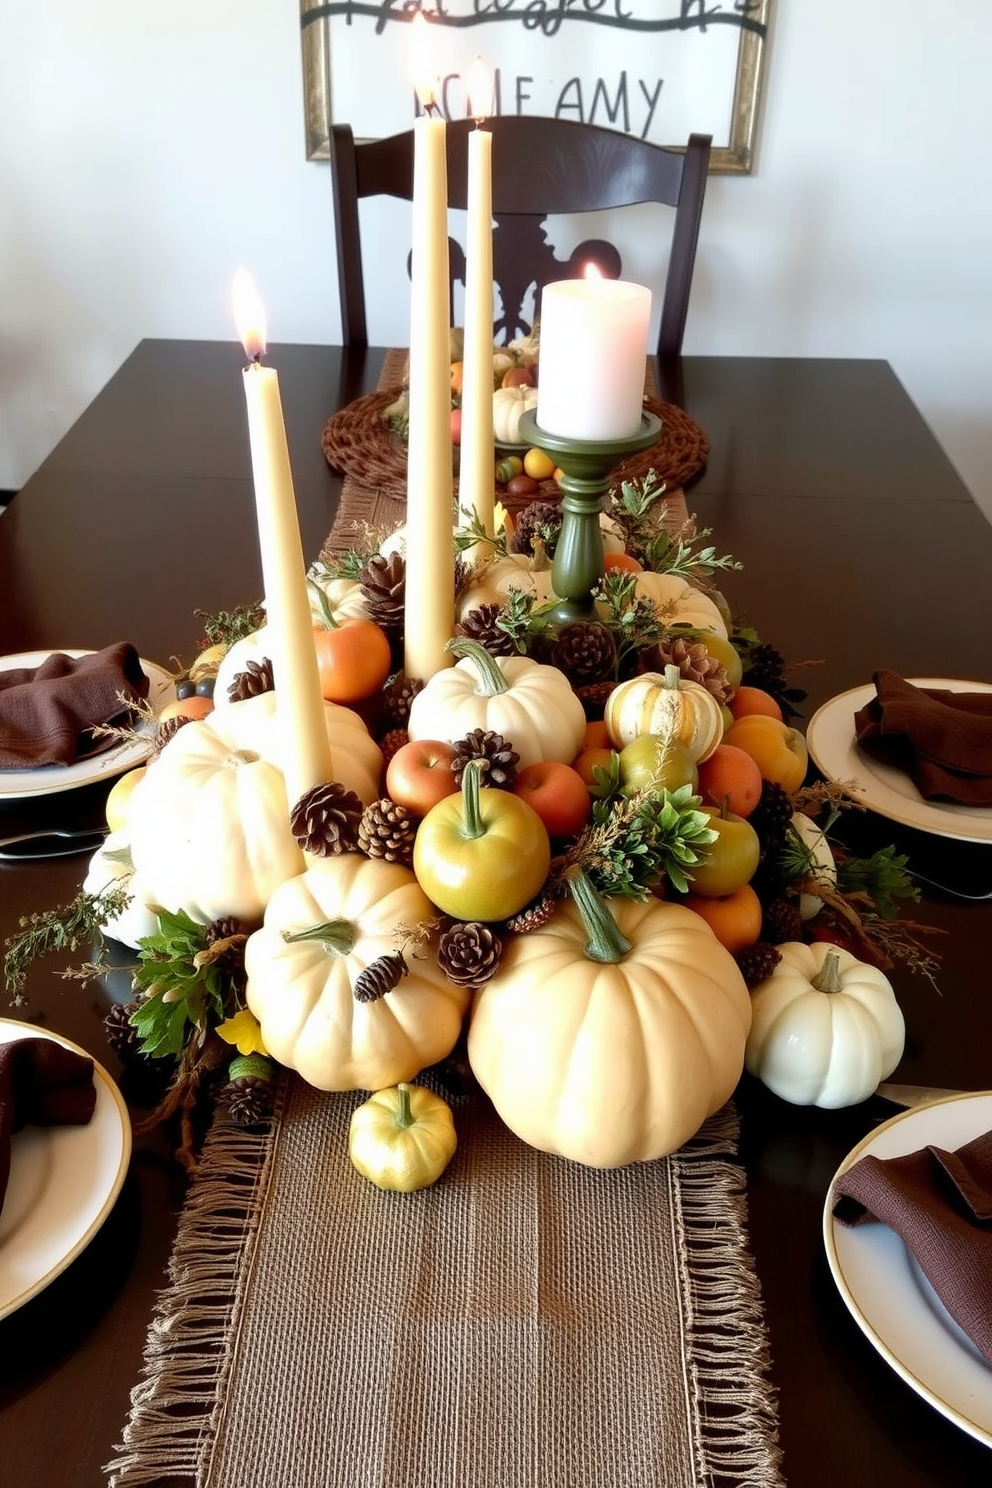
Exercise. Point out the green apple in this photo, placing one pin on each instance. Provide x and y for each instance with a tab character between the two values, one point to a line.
650	762
728	657
731	860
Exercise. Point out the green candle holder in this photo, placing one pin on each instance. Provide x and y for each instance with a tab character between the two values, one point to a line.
585	466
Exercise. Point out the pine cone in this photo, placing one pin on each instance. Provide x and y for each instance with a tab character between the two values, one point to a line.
250	1092
499	759
397	696
252	682
772	815
480	625
231	960
325	819
533	915
765	668
122	1036
585	651
781	921
167	729
391	742
757	962
694	662
379	977
468	953
592	696
383	581
387	831
539	519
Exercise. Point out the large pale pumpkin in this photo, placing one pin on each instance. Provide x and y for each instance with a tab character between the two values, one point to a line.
302	990
110	867
613	1062
209	823
531	705
680	603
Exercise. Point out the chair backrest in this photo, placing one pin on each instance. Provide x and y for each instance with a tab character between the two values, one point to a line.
541	167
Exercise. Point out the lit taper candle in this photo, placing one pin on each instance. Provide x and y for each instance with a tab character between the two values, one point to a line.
306	752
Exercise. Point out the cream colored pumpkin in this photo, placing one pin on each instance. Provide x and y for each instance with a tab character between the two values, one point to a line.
209	823
680	603
677	710
111	867
302	991
617	1062
509	406
531	705
826	1027
333	601
514	571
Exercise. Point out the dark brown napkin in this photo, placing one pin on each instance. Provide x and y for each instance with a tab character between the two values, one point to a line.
41	1084
47	712
940	1205
941	739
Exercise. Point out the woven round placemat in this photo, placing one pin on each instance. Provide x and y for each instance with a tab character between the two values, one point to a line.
358	443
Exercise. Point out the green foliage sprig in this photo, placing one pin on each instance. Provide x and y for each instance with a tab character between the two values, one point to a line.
883	878
183	986
639	510
632	844
227	626
634	621
63	929
476	536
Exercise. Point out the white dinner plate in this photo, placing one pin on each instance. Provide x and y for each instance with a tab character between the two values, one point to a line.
103	766
890	792
888	1295
63	1183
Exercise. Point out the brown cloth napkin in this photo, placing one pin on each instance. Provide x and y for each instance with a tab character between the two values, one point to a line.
46	712
940	1205
41	1084
941	739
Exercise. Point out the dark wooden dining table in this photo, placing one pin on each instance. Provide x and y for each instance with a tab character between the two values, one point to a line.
861	548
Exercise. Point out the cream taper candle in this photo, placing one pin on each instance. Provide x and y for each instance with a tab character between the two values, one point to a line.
429	610
306	751
476	494
594	334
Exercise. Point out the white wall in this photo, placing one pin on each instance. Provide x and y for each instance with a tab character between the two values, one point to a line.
146	150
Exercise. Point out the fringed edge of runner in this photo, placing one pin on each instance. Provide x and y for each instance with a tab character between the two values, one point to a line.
735	1414
191	1337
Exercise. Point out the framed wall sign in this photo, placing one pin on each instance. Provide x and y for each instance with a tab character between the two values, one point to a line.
656	68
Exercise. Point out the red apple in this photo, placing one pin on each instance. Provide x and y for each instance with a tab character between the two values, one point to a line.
420	774
557	793
456	426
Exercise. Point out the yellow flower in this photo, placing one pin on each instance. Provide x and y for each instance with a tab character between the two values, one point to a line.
244	1031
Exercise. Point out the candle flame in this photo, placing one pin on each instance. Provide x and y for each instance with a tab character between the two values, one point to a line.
592	273
479	87
423	61
249	314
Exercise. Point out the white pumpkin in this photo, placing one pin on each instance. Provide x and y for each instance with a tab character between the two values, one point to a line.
531	705
825	1027
253	647
514	571
680	603
209	823
302	990
822	865
509	406
110	867
333	601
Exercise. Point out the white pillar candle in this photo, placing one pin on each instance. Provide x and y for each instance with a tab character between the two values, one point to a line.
429	606
476	495
306	752
594	334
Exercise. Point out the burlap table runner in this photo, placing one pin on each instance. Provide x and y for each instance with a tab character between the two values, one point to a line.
372	502
525	1323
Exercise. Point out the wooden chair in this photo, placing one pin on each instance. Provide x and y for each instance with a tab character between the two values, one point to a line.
540	167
